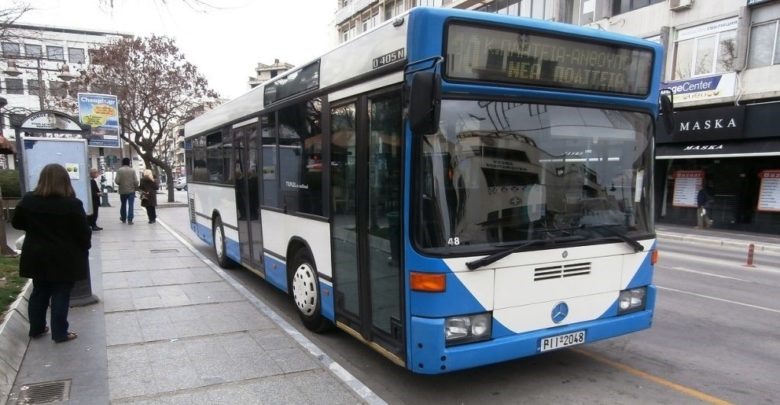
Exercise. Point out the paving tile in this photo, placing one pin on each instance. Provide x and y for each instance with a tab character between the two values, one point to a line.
292	360
118	300
270	390
273	339
122	328
322	387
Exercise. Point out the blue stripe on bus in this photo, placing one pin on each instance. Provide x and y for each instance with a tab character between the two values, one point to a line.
429	355
232	249
275	272
456	299
203	233
644	275
326	301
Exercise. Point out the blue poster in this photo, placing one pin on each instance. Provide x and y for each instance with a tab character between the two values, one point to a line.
101	112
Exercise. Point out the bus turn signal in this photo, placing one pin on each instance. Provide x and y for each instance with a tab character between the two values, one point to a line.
428	282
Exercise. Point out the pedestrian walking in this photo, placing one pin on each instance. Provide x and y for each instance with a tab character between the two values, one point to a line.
149	189
55	252
127	182
94	174
703	202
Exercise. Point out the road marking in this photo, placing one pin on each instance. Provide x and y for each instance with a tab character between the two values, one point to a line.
337	369
703	273
719	299
691	392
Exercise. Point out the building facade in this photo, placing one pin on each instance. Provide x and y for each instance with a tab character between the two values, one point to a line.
264	73
722	64
36	63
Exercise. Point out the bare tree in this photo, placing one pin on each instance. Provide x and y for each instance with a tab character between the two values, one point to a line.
157	89
197	5
9	15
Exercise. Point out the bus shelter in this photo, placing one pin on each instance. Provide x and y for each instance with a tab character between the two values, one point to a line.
46	137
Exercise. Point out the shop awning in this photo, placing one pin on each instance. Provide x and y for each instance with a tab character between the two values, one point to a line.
693	150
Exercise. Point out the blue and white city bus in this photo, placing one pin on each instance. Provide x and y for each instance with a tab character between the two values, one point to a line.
452	188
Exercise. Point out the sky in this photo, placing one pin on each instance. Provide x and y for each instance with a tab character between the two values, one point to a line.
225	42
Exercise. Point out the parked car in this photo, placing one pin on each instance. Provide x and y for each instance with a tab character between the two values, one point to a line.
180	184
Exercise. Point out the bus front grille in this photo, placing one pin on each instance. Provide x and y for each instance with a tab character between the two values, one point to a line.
561	271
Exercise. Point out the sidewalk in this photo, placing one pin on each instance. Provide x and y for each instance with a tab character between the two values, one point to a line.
172	328
719	237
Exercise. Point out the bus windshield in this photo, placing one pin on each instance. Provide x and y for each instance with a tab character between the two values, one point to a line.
503	173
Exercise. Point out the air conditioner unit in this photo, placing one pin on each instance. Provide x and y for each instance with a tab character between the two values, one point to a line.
677	5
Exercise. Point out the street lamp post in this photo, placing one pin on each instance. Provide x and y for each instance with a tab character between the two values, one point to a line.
13	70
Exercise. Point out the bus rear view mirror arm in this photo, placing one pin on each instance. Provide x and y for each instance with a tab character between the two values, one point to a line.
425	103
667	109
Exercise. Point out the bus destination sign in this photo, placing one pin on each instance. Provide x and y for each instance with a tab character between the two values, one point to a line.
476	53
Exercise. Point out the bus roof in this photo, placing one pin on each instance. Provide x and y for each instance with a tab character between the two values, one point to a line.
384	45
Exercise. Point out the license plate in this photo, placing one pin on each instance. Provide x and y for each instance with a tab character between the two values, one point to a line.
557	342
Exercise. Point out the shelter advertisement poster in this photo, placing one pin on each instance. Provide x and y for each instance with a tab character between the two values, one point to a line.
686	186
101	112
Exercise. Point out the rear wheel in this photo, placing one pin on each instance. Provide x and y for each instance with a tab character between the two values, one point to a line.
305	292
219	244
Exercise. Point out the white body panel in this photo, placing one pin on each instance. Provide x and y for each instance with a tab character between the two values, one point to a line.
537	316
215	198
279	229
508	287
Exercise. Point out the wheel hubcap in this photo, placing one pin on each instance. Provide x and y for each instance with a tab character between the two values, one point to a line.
304	289
218	242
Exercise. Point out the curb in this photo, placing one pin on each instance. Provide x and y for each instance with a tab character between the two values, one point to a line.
171	205
759	246
13	342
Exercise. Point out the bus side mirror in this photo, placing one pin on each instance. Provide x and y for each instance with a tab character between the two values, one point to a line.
425	103
667	109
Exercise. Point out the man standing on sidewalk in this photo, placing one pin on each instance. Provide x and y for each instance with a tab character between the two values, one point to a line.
127	182
94	174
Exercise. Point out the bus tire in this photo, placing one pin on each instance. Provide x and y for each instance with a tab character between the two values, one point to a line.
305	291
218	235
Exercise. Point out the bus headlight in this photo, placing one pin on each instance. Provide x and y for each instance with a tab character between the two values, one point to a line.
468	328
632	300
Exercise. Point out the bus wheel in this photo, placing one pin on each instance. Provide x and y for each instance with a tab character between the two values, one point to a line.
304	288
219	244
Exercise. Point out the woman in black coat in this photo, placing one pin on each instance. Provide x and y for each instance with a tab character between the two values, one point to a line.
55	253
148	187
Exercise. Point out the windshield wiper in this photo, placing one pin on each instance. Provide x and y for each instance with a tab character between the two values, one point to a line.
472	265
622	236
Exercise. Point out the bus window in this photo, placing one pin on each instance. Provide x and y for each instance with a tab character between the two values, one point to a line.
270	178
300	157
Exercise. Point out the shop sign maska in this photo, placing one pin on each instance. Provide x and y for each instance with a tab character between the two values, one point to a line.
706	125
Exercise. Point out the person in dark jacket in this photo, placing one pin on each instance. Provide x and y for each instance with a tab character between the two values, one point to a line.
55	252
149	195
94	174
703	202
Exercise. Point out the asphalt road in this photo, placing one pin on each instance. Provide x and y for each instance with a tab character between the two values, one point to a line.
715	339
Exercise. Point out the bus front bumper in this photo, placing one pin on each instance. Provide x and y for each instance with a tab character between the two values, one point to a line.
429	355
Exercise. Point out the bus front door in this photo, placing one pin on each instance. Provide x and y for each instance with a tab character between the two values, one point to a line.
366	174
247	190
